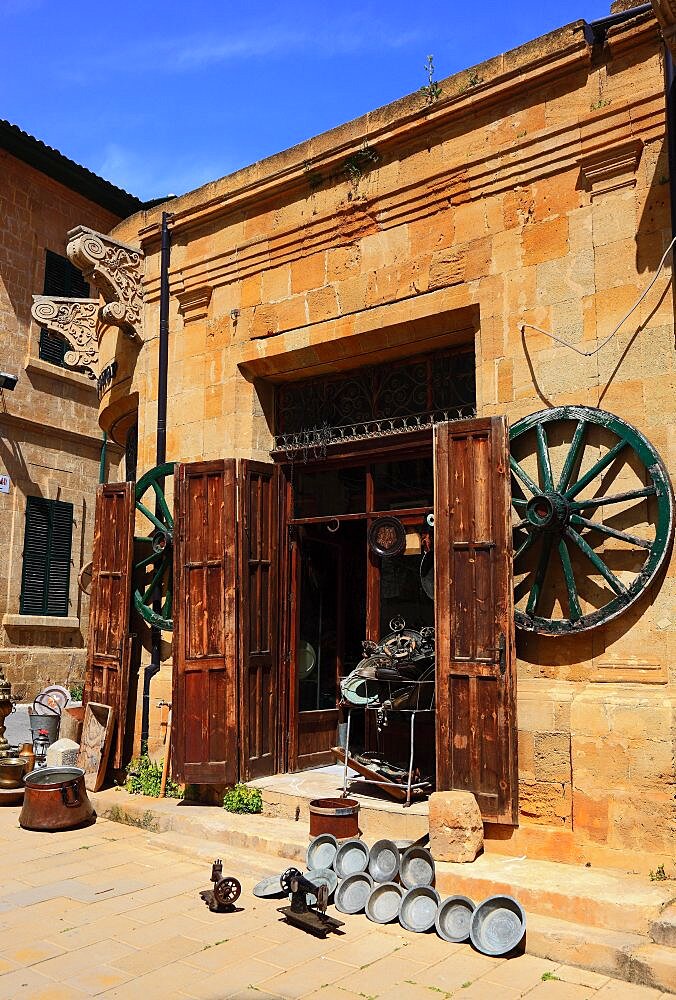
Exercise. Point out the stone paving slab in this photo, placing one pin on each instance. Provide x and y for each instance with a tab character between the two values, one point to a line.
136	929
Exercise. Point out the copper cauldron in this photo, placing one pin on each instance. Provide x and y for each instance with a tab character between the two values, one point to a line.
55	799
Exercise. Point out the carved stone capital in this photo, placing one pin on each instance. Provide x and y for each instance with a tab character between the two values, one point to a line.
75	321
193	303
611	169
116	269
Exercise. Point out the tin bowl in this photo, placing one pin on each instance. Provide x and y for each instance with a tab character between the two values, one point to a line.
353	892
352	857
384	861
454	917
325	876
12	770
321	852
416	867
497	926
382	906
418	909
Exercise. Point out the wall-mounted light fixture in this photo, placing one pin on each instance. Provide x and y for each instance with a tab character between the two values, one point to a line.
8	381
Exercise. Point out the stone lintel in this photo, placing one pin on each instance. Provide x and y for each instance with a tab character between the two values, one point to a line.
75	321
117	271
611	170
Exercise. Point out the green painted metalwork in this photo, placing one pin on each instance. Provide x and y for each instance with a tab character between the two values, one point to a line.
551	518
153	553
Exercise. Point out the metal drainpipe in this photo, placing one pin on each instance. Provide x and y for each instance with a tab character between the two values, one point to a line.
670	104
153	667
102	463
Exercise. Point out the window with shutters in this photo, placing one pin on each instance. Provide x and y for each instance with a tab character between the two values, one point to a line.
46	557
62	280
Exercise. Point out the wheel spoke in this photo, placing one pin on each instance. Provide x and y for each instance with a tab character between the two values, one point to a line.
576	446
523	476
143	538
518	502
613	532
148	596
543	458
153	557
524	546
540	573
647	491
574	609
159	493
595	470
151	517
614	582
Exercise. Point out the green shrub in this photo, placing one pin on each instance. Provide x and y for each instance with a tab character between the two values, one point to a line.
76	692
144	777
242	799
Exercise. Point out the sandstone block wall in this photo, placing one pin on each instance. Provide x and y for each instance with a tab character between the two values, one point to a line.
50	440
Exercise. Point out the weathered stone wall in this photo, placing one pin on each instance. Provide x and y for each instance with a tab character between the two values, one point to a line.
50	441
535	190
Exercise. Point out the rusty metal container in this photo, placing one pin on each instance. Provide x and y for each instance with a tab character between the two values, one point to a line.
339	817
55	799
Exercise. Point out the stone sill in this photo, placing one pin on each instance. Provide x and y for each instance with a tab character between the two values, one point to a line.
62	374
41	621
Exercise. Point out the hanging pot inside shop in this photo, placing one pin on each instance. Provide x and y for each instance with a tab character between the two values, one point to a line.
55	799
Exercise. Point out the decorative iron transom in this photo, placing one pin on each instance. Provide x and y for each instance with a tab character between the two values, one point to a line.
375	401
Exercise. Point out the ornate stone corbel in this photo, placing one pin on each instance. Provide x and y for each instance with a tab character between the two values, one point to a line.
116	270
75	321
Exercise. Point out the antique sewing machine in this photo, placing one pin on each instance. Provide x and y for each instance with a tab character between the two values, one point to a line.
309	917
225	893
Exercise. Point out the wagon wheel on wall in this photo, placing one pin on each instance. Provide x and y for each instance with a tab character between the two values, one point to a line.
153	553
593	518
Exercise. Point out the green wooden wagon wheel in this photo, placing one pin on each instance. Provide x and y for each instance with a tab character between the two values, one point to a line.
153	570
593	518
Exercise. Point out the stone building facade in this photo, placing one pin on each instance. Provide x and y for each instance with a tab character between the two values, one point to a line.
532	195
50	441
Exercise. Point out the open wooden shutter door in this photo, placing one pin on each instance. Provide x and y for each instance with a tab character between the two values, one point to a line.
204	639
109	645
259	602
476	718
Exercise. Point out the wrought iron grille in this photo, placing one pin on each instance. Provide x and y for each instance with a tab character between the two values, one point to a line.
374	401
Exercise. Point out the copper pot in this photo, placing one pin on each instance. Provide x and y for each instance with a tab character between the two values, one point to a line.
55	799
12	771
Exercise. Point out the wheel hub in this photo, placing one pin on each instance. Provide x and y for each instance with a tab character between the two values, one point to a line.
549	511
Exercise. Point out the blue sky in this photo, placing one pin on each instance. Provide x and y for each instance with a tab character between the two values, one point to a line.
160	97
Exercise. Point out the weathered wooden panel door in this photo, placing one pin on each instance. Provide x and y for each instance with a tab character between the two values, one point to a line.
259	608
476	718
109	643
204	639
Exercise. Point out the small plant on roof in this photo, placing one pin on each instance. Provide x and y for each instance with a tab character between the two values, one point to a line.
242	799
659	875
359	163
144	777
432	89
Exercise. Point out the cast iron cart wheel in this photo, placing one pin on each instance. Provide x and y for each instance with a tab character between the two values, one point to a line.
579	515
153	570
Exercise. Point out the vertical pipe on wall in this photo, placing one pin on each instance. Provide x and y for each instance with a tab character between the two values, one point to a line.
102	462
670	102
160	457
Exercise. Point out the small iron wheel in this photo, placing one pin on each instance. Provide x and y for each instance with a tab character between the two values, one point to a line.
153	553
227	891
605	515
286	877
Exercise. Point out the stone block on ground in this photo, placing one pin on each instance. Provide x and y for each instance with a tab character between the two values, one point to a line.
456	827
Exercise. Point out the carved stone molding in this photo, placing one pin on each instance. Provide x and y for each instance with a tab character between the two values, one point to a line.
116	269
665	12
194	303
611	169
75	321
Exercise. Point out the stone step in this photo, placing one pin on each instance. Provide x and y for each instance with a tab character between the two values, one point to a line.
663	928
598	897
631	957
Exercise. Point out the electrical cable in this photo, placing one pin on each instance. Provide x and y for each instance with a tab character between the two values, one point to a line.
588	354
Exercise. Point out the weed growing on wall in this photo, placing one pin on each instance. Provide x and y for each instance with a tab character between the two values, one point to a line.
144	777
431	90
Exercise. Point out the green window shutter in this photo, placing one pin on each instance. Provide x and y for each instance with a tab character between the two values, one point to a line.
46	557
64	280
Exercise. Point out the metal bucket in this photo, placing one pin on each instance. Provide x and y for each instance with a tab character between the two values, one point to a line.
49	722
454	917
498	925
418	909
383	904
339	817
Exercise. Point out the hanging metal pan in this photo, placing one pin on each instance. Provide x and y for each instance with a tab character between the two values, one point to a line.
387	537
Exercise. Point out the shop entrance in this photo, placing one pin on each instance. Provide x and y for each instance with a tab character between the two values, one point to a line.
344	591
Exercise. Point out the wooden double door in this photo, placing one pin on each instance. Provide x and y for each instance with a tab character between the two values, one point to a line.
237	705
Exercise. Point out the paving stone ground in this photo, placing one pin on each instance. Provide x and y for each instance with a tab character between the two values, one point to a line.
110	911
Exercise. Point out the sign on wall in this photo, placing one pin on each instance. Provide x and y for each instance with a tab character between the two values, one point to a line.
5	483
